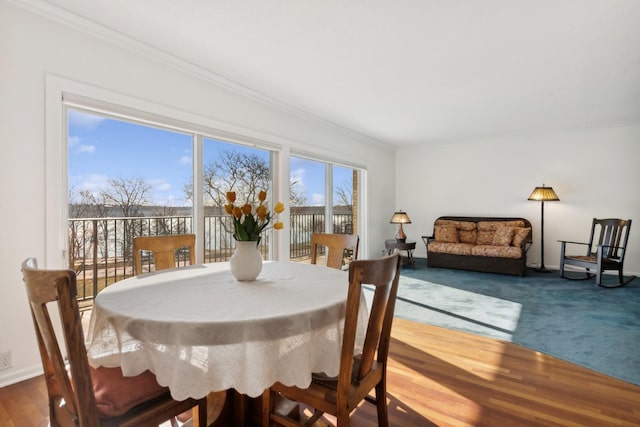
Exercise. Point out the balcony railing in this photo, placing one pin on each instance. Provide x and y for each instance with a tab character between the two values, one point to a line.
100	249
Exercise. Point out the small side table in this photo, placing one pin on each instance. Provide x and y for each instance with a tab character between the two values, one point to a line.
408	246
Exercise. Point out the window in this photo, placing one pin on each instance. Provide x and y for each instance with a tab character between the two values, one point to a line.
231	167
75	110
312	183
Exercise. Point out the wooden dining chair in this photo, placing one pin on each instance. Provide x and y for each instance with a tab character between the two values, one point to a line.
338	247
358	375
80	395
164	250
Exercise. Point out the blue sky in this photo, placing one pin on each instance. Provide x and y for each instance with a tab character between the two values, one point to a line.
102	148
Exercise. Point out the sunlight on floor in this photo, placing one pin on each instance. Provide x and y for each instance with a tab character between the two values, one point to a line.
449	307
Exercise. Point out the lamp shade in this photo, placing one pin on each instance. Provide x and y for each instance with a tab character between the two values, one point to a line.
544	194
400	217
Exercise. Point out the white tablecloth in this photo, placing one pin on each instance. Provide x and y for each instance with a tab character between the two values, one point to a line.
199	330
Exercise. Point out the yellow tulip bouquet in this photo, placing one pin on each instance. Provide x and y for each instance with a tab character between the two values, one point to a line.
247	223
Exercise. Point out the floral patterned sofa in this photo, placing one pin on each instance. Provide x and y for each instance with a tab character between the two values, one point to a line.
489	244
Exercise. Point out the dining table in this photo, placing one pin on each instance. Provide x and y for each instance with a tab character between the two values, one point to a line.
199	330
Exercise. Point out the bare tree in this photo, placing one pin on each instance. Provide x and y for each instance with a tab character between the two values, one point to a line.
246	174
82	233
344	193
128	196
296	195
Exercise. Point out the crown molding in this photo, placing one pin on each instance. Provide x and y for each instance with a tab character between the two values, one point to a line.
80	23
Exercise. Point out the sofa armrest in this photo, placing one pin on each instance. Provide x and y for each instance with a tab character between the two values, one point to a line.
427	240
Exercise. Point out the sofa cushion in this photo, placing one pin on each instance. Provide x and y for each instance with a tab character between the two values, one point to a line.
467	232
460	225
446	234
485	237
486	230
502	236
496	251
494	225
520	233
450	248
468	236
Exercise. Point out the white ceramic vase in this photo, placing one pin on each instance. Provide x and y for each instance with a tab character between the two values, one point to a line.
246	261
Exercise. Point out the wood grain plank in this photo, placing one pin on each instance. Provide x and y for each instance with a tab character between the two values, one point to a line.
441	377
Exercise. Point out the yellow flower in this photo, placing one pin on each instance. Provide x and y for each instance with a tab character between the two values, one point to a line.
237	212
248	226
261	211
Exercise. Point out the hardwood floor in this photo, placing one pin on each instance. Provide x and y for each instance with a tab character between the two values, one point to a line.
440	377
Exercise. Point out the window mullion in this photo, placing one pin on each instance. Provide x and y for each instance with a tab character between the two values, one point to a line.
198	199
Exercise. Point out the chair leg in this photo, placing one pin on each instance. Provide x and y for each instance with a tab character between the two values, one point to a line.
266	407
562	249
343	419
201	413
381	404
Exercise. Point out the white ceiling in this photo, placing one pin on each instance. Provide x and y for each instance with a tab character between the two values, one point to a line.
408	71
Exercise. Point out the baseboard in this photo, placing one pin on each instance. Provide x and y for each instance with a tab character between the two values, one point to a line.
13	376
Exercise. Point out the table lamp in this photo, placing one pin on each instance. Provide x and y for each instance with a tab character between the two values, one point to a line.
543	194
400	217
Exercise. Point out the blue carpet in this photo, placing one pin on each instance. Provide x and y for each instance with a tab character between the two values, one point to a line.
576	321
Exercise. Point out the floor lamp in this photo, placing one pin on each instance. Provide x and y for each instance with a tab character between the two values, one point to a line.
543	194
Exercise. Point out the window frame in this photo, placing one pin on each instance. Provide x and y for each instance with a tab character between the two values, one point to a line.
63	94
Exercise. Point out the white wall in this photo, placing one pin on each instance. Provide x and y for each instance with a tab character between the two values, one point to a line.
32	47
595	173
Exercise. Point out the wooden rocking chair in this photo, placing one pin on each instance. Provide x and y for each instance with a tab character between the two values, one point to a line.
605	251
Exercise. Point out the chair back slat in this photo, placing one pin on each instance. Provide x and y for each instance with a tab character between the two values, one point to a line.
336	245
164	250
612	234
73	388
384	275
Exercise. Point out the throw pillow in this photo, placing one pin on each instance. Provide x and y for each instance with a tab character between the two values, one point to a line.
466	236
502	236
520	233
446	234
485	237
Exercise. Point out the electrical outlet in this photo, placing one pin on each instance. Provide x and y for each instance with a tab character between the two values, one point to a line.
5	360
